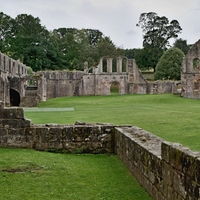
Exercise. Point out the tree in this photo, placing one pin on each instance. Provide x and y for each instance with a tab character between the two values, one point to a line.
6	26
157	32
33	45
182	44
169	65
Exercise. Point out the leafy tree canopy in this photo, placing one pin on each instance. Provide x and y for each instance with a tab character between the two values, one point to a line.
157	32
182	44
169	65
24	38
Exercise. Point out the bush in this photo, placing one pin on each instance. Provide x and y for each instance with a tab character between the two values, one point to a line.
169	65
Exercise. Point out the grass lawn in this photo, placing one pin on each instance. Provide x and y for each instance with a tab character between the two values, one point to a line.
168	116
33	175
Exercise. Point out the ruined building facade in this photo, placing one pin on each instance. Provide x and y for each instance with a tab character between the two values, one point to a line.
190	77
18	88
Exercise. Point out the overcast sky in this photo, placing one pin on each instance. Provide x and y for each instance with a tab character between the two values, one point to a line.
115	18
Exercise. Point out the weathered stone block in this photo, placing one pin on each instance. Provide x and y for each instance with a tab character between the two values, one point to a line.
11	113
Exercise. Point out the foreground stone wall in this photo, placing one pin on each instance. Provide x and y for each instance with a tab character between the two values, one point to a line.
166	170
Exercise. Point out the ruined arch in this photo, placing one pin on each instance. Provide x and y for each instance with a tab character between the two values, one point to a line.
105	68
114	65
14	98
114	88
196	63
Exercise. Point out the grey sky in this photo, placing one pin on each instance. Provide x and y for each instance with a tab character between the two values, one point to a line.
115	18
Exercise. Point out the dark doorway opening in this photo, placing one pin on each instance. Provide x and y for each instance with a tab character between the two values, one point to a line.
14	98
114	88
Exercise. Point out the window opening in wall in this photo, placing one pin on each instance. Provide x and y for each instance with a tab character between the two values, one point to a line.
9	63
114	88
4	63
114	65
14	98
124	64
90	70
13	67
18	69
105	65
196	63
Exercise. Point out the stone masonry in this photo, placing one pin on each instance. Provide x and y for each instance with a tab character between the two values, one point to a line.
190	76
17	88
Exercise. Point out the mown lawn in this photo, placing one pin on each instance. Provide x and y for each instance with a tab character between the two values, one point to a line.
33	175
168	116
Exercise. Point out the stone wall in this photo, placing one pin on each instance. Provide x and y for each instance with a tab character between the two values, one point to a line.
190	73
166	170
16	131
11	71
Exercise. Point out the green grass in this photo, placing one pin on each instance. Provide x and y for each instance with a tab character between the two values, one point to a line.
32	175
168	116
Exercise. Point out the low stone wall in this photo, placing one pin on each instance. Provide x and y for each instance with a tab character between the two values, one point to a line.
15	131
166	170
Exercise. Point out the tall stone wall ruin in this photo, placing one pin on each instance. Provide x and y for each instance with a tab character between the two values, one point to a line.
12	73
190	75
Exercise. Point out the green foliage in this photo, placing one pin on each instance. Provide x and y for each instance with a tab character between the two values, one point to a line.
157	32
30	70
28	174
168	116
182	45
169	65
25	39
6	33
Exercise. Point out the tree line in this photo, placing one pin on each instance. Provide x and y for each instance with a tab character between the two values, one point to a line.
24	38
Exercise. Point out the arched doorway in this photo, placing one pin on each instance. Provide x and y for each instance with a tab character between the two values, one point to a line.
14	98
114	88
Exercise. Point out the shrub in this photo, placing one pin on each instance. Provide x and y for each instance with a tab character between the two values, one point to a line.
169	65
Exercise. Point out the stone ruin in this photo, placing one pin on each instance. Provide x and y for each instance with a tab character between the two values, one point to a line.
166	170
190	77
18	88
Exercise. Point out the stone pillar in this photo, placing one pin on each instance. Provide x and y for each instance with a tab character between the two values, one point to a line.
101	65
109	65
119	65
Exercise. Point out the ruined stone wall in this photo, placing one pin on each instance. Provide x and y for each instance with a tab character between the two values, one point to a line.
61	83
190	74
10	71
161	87
13	68
166	170
16	131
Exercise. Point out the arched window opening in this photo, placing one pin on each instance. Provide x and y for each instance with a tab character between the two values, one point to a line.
114	88
9	63
124	64
4	63
196	63
105	69
114	65
14	98
90	70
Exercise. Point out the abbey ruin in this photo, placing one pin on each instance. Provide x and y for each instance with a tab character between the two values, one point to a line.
18	88
166	170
